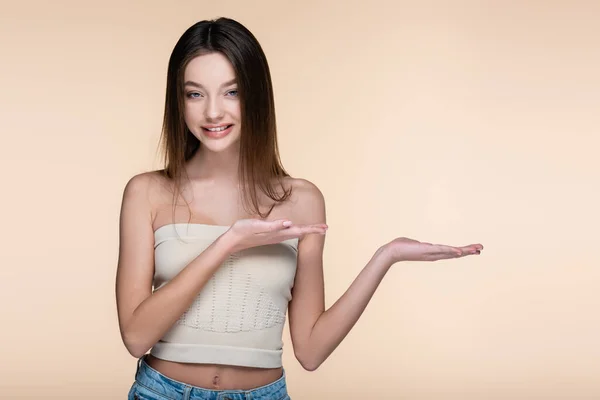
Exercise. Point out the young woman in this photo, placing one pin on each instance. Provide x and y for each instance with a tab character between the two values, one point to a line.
216	248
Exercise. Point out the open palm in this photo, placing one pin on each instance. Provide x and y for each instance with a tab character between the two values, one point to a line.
247	233
405	249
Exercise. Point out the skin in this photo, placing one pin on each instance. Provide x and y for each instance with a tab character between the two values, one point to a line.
213	196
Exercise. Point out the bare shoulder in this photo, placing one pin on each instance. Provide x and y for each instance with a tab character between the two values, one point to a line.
145	181
146	189
305	191
307	202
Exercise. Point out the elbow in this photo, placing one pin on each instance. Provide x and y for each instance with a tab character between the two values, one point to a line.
136	352
309	362
310	366
134	346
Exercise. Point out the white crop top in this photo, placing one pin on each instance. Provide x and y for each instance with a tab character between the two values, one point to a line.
238	316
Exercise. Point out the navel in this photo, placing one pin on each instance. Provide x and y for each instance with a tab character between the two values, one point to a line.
216	381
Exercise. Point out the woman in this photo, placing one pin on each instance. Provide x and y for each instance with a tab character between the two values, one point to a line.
230	242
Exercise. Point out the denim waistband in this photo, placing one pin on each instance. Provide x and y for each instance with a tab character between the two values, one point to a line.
158	383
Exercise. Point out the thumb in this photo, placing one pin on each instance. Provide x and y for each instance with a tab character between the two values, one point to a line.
276	225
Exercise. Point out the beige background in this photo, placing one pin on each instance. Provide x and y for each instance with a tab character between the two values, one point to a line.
452	122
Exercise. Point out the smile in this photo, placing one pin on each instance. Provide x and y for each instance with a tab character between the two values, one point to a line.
217	132
218	128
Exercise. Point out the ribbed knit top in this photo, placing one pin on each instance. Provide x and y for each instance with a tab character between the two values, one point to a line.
238	316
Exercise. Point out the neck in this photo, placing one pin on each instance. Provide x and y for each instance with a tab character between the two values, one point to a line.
215	166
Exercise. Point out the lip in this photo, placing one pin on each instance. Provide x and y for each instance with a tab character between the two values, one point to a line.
217	135
215	125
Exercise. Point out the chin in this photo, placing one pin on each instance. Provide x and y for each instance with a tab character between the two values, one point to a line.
220	145
216	148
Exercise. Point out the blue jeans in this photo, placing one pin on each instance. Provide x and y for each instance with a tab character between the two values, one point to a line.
152	385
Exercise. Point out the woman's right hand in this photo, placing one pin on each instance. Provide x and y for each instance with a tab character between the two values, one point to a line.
246	233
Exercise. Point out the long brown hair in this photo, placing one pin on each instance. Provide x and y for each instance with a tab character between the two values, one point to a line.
259	160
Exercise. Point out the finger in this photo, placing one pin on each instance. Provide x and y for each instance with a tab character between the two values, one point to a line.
305	230
472	249
476	246
440	249
282	224
437	257
311	225
318	227
272	226
320	231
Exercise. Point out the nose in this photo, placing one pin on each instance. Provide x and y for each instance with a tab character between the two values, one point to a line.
214	108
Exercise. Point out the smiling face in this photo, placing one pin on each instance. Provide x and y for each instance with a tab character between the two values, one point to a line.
212	110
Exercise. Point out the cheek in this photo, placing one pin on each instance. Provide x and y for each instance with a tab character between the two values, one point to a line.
234	110
191	113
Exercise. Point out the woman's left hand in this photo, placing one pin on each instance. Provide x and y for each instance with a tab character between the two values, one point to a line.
405	249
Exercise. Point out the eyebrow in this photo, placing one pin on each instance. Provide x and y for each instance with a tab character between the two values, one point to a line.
195	84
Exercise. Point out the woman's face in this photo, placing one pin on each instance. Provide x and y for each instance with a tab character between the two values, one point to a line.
212	106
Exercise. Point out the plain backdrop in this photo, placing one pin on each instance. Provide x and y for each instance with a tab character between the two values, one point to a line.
445	121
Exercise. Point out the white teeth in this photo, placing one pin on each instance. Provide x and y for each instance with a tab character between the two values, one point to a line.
219	129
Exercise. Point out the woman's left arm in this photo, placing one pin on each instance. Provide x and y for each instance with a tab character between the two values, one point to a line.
316	332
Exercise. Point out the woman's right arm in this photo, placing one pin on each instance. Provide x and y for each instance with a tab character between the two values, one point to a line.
145	317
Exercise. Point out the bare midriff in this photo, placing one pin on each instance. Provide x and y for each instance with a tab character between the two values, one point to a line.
215	377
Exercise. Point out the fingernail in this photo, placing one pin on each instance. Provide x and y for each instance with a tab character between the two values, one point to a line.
287	223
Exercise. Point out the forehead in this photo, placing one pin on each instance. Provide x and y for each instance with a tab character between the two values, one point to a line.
210	69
